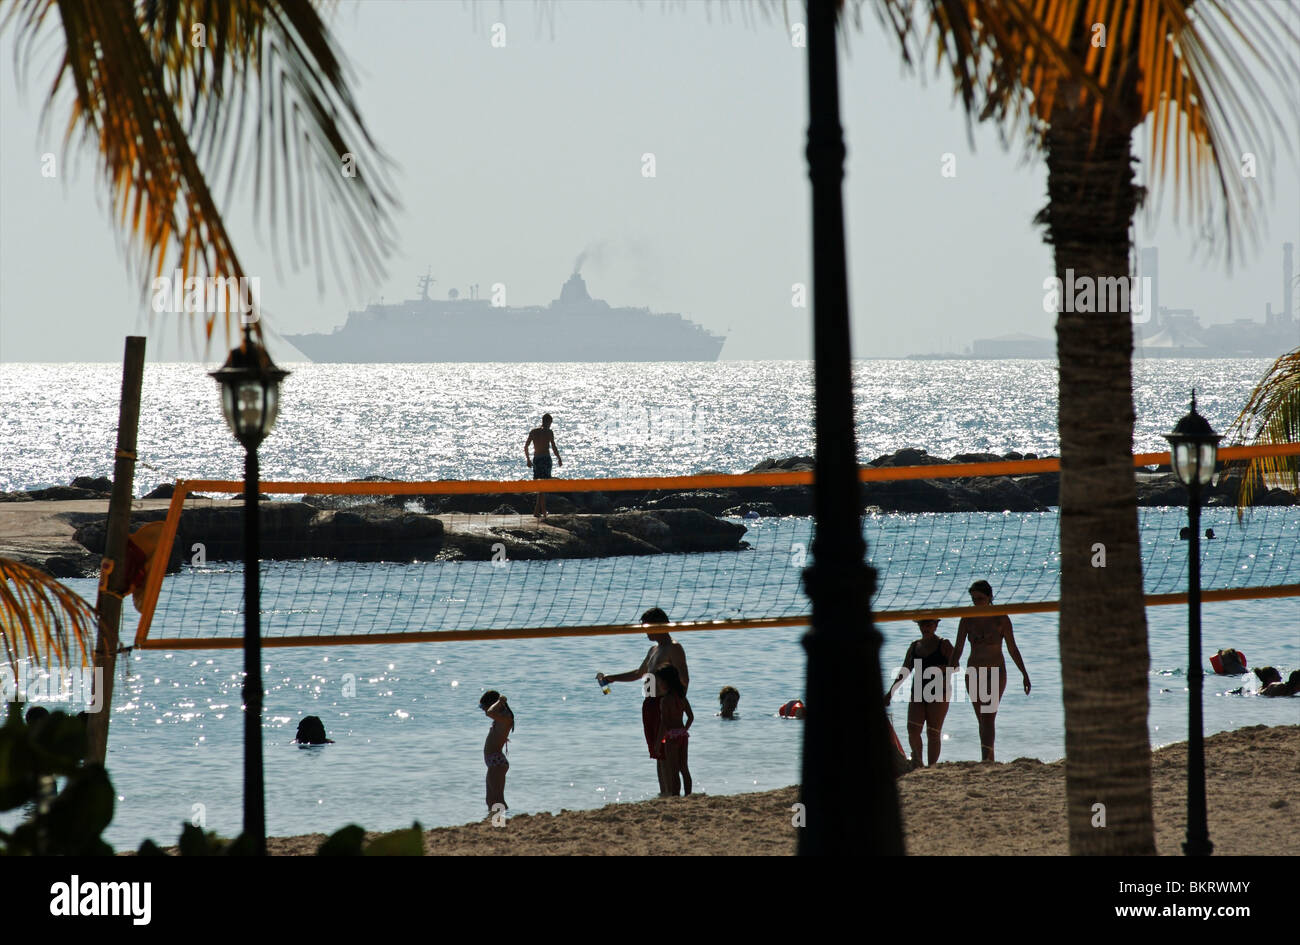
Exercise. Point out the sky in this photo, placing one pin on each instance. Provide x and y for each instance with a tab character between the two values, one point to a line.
512	160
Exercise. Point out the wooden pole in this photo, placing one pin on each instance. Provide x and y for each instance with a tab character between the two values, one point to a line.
112	577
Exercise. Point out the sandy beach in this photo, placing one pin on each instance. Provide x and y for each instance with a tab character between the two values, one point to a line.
956	809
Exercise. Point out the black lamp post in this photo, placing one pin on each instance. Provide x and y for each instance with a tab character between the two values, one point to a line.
250	400
1194	448
848	777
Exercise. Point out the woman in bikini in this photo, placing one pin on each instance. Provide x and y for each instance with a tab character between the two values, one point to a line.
929	703
990	668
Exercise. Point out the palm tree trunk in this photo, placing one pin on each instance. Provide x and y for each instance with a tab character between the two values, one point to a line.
1104	656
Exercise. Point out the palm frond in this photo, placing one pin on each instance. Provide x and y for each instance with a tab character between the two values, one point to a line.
41	619
165	116
1204	71
1271	416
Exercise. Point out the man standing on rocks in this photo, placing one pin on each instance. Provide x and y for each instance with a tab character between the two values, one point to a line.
542	441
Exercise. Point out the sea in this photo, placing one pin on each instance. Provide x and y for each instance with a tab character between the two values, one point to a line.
404	717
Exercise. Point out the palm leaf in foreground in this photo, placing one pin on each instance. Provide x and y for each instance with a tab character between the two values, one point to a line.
165	119
41	619
1271	417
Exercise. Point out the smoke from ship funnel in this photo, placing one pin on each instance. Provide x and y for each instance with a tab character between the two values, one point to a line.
594	251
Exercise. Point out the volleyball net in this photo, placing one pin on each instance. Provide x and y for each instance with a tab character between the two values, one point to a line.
388	562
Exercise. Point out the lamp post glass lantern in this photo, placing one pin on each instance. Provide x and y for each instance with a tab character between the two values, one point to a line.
250	401
250	391
1194	450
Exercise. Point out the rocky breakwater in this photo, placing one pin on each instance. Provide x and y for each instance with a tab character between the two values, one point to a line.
1032	492
378	532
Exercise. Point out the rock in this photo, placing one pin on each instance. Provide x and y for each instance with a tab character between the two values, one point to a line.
504	509
909	457
745	508
93	483
785	500
164	490
594	502
1043	488
914	495
370	533
486	503
1278	497
789	464
1161	490
712	502
977	458
63	493
1013	455
693	530
60	565
998	494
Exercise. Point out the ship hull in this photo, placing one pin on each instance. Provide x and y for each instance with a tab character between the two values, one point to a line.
424	334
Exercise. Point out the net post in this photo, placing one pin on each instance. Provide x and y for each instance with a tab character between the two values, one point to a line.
158	566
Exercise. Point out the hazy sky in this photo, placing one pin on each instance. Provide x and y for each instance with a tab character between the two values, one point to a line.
513	160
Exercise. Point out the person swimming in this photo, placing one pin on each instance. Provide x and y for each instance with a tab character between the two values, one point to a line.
311	731
1272	683
728	699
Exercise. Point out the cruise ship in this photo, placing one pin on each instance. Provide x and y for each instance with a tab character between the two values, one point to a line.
575	327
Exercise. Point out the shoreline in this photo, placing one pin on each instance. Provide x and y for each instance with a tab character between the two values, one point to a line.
956	808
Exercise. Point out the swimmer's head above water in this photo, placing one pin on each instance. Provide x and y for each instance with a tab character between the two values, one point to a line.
728	699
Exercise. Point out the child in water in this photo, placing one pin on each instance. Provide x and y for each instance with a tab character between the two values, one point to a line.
673	732
503	723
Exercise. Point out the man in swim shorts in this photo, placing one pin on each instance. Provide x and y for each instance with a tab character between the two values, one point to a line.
542	441
666	651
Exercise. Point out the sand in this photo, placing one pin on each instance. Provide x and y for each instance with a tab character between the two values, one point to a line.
961	808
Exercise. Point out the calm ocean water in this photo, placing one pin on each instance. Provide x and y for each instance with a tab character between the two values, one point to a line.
405	718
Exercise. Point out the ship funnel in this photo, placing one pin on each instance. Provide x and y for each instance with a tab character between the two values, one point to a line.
574	290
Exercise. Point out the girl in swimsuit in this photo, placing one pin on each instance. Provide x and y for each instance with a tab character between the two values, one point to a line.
494	756
986	636
674	733
931	690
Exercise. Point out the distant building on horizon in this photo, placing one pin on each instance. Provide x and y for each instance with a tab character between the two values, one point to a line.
1014	345
1178	333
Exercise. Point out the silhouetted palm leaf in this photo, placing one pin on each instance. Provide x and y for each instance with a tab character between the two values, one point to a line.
1205	69
1271	416
41	620
165	117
